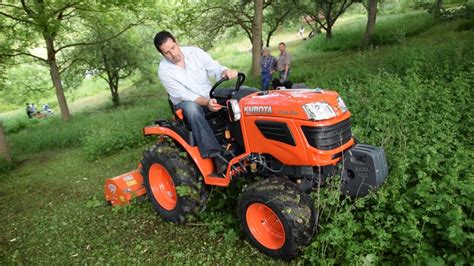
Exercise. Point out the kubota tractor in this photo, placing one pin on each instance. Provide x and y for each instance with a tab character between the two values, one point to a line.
292	139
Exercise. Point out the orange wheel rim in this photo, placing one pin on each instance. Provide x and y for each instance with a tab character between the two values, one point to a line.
162	187
265	226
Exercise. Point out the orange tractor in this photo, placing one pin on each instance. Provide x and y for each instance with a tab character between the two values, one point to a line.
293	139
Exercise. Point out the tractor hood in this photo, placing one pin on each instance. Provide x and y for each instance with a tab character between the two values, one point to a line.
287	103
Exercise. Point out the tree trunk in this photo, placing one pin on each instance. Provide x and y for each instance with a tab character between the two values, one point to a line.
372	14
4	151
329	22
115	98
56	77
113	84
269	36
257	37
437	11
329	31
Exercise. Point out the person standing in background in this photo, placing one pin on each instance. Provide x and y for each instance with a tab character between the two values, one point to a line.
284	61
268	64
29	112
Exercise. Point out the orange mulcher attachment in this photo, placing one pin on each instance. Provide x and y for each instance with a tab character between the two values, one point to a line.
122	189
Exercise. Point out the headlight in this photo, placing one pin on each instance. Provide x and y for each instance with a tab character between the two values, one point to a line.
234	110
341	104
319	111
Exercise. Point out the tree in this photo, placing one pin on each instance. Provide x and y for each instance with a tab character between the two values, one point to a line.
4	150
275	15
257	37
437	9
324	13
371	17
209	18
112	60
53	22
25	83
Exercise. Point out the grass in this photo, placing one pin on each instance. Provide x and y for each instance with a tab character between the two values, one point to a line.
390	29
56	214
328	69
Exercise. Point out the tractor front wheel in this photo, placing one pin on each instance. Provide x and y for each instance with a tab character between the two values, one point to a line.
277	217
172	182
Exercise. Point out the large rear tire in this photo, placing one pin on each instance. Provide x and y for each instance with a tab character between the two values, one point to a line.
172	182
277	217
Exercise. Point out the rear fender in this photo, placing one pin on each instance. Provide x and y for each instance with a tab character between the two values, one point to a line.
205	165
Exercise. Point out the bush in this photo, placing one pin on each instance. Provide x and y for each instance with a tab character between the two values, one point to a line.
51	133
391	29
98	133
424	211
120	130
466	25
6	166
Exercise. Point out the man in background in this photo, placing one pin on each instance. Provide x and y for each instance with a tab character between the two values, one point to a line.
283	65
268	65
29	112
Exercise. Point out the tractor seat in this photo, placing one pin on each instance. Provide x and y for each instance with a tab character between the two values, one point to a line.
178	113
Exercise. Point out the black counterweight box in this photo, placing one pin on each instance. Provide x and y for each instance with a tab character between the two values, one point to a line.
364	168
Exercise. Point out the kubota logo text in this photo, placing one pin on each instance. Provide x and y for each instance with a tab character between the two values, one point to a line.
258	109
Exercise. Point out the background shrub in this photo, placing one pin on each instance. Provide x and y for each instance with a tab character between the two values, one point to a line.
5	166
424	212
390	29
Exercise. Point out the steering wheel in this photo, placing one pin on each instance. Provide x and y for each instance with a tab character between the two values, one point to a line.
238	83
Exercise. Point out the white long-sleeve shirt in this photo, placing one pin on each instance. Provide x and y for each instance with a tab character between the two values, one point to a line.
192	81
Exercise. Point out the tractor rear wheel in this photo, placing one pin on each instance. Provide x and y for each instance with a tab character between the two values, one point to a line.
277	217
172	182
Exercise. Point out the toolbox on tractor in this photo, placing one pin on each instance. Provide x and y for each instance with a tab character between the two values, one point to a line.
293	139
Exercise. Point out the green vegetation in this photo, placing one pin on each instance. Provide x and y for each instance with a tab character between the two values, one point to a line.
391	29
411	94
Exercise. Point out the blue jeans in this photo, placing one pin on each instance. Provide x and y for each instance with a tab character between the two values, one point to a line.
202	132
266	79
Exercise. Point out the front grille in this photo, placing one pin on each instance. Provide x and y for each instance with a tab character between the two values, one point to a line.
278	131
328	137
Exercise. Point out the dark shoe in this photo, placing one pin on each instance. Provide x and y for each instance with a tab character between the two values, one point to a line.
221	166
221	161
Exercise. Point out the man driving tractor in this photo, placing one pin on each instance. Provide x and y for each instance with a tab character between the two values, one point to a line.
294	140
185	73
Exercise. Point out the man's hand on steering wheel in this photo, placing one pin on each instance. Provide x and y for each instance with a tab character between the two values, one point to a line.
229	73
213	106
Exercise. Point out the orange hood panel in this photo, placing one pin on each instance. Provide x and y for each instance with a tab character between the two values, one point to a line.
287	103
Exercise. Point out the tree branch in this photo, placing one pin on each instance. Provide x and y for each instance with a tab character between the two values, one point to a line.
267	4
98	42
275	26
20	53
7	5
15	18
309	23
26	8
69	65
